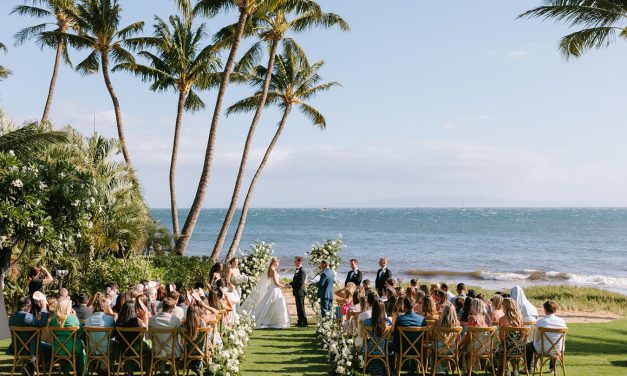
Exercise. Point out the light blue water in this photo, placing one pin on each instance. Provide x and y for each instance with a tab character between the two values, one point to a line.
497	247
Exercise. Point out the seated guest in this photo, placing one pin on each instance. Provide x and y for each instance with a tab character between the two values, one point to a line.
420	296
411	292
461	292
379	324
371	298
477	318
366	285
511	318
448	319
142	311
64	318
433	289
449	295
165	320
177	311
409	318
424	289
550	320
354	275
413	283
81	310
53	300
440	299
154	305
429	310
466	312
232	317
182	305
64	293
459	306
100	319
345	297
389	300
192	325
527	309
23	318
497	308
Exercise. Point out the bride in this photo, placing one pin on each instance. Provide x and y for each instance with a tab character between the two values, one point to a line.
266	302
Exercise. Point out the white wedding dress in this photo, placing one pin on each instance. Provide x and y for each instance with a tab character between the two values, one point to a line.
267	304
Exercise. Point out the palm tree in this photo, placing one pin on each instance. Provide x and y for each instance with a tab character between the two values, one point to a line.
97	22
210	8
180	64
270	27
59	10
4	72
602	22
293	82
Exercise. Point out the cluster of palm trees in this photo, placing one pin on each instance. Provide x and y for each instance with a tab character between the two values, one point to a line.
178	57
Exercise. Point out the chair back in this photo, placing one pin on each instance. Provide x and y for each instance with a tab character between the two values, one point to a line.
481	341
380	346
515	340
63	341
197	349
446	342
411	340
430	322
552	341
97	341
23	337
164	342
131	342
531	324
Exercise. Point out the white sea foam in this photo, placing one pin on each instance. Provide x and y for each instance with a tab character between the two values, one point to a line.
494	276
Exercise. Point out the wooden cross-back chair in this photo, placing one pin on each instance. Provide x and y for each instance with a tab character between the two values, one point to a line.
98	348
199	349
22	350
531	324
131	341
379	351
480	347
63	342
410	347
514	348
552	348
445	348
165	342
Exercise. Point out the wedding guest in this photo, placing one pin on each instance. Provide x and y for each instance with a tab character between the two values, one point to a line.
440	299
448	319
111	292
25	319
345	297
162	293
127	318
64	294
100	319
354	275
141	309
478	312
232	274
379	324
466	312
497	308
383	275
177	311
216	273
64	318
527	309
413	283
38	277
411	292
195	321
434	288
182	304
459	306
461	292
81	310
166	320
365	314
429	310
409	318
550	320
449	294
420	295
424	289
511	318
53	301
154	305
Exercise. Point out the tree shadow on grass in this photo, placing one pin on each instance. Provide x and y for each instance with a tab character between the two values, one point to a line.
594	345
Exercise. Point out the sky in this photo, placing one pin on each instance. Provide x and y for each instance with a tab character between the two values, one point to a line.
452	103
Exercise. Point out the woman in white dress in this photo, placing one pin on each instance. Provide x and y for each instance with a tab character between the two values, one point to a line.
266	302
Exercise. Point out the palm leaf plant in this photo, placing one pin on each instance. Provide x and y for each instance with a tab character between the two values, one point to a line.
4	71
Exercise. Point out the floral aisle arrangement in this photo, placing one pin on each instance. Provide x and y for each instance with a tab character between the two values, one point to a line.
227	358
340	347
329	251
252	264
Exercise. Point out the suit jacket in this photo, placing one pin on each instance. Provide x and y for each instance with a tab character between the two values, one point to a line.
26	319
298	282
411	319
354	277
382	276
325	284
83	312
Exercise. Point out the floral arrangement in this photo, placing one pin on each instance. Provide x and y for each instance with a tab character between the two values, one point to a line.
340	347
252	264
329	251
227	358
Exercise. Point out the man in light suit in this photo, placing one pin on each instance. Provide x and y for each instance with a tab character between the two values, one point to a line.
383	275
354	275
325	288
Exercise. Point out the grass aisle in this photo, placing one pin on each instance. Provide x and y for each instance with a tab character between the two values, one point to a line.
293	351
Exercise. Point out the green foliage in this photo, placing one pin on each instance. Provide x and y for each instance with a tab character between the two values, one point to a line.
125	272
185	270
4	71
579	298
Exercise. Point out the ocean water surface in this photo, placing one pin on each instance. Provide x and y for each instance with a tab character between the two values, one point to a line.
495	248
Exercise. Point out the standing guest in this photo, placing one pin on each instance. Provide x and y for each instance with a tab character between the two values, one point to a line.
409	318
81	309
354	275
24	318
100	319
461	292
366	285
383	275
325	288
379	324
233	277
550	320
38	277
497	308
527	309
449	294
64	318
299	292
166	320
429	310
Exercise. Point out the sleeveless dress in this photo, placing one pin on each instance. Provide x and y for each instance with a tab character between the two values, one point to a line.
267	304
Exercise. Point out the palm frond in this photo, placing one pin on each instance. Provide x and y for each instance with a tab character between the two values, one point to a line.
90	65
130	30
315	19
193	102
30	140
28	33
312	114
588	13
575	44
245	105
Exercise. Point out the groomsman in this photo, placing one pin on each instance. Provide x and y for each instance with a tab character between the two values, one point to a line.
298	289
383	275
354	275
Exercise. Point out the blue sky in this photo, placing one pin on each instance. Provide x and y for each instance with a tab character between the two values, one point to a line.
446	102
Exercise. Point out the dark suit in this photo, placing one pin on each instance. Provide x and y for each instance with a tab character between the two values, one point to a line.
298	289
83	312
411	319
353	276
325	291
382	276
24	320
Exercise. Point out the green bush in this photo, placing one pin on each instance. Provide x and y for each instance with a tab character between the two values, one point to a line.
125	272
184	270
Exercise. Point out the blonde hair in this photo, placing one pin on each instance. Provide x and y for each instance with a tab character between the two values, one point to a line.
350	287
64	307
448	319
428	307
497	302
479	310
512	312
273	261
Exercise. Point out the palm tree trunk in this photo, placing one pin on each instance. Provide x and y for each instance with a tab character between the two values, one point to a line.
175	149
251	188
217	249
53	82
183	240
116	108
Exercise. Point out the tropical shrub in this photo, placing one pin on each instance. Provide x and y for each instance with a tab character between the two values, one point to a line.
184	270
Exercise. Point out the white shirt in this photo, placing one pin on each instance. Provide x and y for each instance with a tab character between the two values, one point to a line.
548	321
450	295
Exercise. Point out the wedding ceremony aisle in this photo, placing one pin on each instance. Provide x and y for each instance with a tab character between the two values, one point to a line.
292	352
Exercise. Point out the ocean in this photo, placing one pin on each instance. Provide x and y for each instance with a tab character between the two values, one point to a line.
495	248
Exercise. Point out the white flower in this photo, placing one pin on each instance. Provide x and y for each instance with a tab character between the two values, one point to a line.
42	185
30	224
17	183
12	153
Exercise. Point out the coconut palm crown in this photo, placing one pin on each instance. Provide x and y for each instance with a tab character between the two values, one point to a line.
4	71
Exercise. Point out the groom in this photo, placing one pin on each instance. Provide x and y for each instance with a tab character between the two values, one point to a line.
298	289
325	288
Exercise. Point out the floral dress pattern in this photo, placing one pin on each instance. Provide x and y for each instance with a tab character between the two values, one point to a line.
376	367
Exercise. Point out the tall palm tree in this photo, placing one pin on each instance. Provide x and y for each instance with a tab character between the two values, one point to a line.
177	62
293	82
48	34
4	71
271	28
210	8
602	22
98	25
